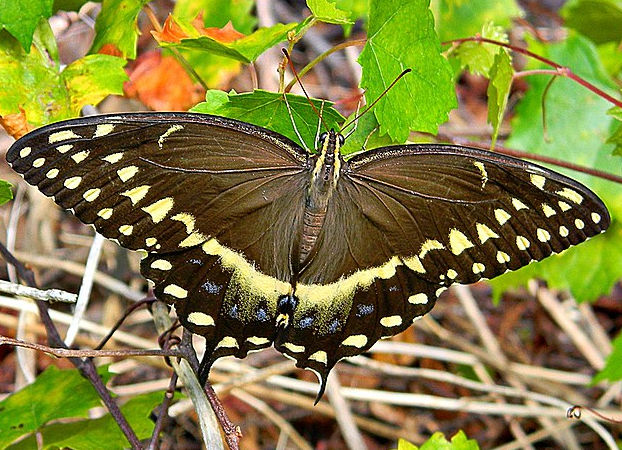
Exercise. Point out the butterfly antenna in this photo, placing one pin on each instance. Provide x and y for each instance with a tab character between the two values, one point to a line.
291	66
291	117
399	77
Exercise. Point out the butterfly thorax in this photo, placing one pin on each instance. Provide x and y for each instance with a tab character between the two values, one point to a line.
324	178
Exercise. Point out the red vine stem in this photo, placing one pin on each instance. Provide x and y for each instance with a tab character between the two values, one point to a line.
559	69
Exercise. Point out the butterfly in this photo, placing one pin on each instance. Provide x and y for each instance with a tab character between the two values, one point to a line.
258	242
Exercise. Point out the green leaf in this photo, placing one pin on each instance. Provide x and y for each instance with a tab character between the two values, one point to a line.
366	136
478	57
438	442
116	26
54	394
92	78
498	91
216	13
90	434
461	18
401	35
328	12
577	128
613	366
600	20
68	5
268	110
616	136
245	49
6	193
21	18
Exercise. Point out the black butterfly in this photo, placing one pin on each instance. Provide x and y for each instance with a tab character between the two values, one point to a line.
257	242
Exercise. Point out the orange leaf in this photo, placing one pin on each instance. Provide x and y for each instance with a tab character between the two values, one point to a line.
110	49
171	31
15	124
162	84
224	34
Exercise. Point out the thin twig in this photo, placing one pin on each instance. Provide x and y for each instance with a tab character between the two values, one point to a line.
45	295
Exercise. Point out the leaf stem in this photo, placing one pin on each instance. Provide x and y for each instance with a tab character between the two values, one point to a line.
560	70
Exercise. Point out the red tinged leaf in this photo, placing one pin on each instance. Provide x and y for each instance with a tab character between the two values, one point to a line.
161	83
15	124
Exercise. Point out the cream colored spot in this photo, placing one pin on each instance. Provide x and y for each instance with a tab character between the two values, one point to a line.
25	152
62	136
193	239
483	172
563	206
458	242
579	224
414	264
391	321
113	158
127	173
518	205
103	129
167	133
38	162
52	173
503	257
548	211
257	340
159	209
478	268
452	274
537	180
201	319
571	195
176	291
91	194
319	356
136	194
294	348
417	318
563	231
502	216
543	235
64	148
595	217
356	340
522	242
484	233
187	219
430	244
418	299
440	290
161	264
80	156
73	182
126	230
151	241
227	342
105	213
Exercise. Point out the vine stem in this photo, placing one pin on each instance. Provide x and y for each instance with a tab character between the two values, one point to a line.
559	69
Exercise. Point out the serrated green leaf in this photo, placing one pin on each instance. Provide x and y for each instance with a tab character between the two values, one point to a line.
613	366
438	442
245	49
600	20
462	18
6	193
268	109
366	136
498	91
116	26
32	81
401	35
577	128
478	57
327	11
91	434
21	18
90	79
54	394
216	13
